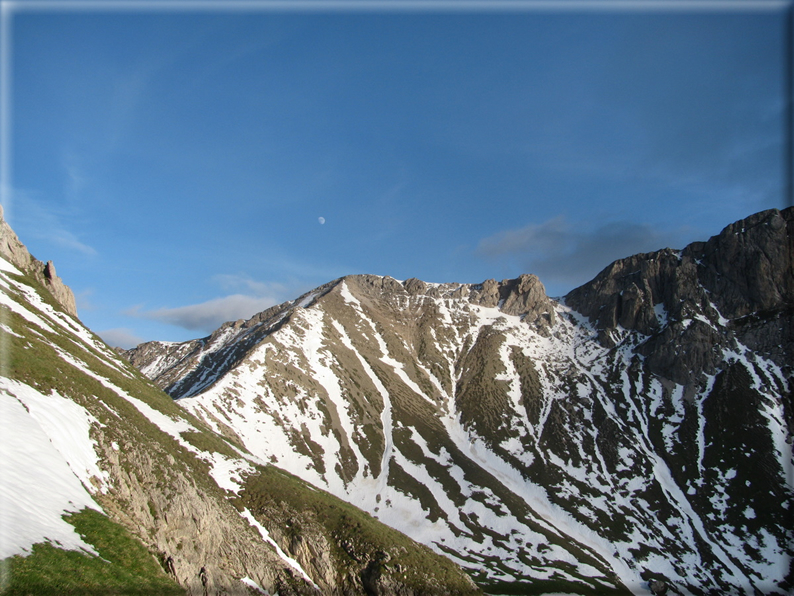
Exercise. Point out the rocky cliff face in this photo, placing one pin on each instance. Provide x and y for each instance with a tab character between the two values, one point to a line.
691	304
16	253
83	431
638	432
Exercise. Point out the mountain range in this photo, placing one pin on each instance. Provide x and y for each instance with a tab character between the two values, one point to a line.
635	433
377	436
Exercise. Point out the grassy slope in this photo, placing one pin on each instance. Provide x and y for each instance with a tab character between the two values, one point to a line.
124	567
357	540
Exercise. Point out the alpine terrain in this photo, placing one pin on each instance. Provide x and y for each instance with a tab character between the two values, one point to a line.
632	436
110	488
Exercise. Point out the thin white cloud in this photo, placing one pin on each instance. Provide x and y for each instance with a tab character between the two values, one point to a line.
120	338
565	255
549	237
240	281
43	221
249	298
66	239
83	300
208	316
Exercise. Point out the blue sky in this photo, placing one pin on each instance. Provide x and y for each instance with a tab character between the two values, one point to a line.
175	164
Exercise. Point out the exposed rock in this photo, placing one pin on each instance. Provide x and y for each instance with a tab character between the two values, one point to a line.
17	253
524	296
415	286
486	294
527	296
748	266
174	515
741	280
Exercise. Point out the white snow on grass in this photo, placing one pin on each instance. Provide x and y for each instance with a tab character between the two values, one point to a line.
8	330
47	315
227	472
68	425
261	422
26	314
44	457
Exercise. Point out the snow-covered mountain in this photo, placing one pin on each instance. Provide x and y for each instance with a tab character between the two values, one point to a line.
635	432
108	487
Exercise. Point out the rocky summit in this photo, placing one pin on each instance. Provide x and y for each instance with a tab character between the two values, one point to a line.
633	437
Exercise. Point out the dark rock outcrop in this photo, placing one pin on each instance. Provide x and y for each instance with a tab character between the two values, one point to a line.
690	303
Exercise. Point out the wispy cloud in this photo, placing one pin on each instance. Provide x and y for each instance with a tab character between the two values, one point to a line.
240	281
207	316
120	338
252	296
44	221
66	239
83	299
565	255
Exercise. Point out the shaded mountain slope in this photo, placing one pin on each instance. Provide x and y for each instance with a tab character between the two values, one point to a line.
638	430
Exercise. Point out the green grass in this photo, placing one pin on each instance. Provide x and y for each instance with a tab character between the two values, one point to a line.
124	567
355	536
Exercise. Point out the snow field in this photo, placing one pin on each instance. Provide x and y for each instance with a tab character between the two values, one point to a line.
50	476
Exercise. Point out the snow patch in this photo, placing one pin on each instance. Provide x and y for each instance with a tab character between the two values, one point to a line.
253	585
45	460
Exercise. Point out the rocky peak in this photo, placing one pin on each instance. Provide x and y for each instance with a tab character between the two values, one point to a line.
524	296
741	280
17	254
749	266
746	268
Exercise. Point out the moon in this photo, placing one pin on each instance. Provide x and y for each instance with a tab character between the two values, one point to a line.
321	220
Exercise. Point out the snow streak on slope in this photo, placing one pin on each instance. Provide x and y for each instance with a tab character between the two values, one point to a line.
284	557
63	430
228	472
48	318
